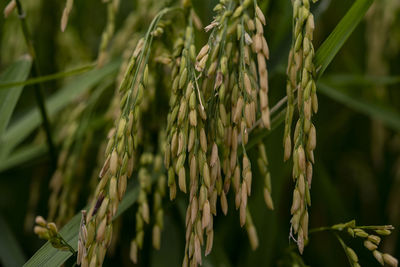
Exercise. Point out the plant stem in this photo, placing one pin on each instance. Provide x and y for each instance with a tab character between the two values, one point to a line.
50	77
320	229
71	249
344	249
38	88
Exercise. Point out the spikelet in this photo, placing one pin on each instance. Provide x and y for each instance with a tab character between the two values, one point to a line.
300	77
67	9
9	8
112	8
371	237
48	231
119	155
233	78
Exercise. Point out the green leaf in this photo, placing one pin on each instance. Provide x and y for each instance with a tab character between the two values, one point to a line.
340	34
49	256
9	98
18	131
389	117
11	254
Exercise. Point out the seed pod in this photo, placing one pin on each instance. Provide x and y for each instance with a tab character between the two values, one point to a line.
182	179
197	250
200	65
383	232
12	4
214	155
156	237
114	163
309	173
224	203
182	111
133	252
314	102
191	139
301	184
212	68
193	169
300	241
268	199
352	255
210	238
379	257
203	140
369	245
360	233
113	188
194	209
302	159
206	215
206	175
242	214
238	12
203	52
101	230
244	193
238	110
103	208
296	201
202	196
252	233
93	261
287	148
260	15
375	239
265	48
91	231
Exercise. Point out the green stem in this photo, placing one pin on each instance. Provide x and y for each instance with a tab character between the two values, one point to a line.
70	248
376	227
50	77
320	229
38	88
344	248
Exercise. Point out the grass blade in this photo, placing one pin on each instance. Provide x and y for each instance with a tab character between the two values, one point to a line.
46	78
9	98
340	34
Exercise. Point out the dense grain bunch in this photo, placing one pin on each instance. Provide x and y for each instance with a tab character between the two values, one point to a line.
371	237
215	100
301	72
118	166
